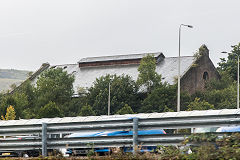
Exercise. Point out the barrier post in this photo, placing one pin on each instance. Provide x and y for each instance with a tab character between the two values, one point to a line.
44	139
135	135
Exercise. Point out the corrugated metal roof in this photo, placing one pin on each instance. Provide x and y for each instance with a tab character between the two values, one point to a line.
119	117
117	57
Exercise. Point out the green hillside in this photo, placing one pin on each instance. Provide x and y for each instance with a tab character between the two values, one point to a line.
9	77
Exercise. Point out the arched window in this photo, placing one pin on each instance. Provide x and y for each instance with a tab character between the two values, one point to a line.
205	76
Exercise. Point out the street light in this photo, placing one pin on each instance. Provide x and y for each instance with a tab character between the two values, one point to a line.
237	78
179	36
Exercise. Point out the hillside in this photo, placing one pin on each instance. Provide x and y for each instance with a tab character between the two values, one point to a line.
11	76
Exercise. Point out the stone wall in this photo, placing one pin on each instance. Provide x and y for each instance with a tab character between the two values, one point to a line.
202	71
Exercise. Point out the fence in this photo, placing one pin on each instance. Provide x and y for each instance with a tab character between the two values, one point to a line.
194	119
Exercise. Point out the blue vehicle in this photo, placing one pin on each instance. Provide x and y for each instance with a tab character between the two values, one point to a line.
75	152
229	129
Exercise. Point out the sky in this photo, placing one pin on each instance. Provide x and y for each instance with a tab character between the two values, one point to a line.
33	32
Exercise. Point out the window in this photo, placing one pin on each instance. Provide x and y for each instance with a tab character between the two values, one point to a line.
205	76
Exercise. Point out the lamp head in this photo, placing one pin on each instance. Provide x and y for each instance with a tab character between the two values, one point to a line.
224	52
189	26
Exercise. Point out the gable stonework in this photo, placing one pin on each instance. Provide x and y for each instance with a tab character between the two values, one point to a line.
200	72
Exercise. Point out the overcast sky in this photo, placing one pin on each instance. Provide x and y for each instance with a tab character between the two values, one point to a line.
64	31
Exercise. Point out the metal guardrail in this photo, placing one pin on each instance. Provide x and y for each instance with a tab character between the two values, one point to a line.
134	124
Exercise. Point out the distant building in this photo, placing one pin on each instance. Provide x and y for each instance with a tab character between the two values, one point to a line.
195	70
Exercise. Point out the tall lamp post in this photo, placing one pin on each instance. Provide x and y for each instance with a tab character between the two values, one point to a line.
237	78
109	96
179	45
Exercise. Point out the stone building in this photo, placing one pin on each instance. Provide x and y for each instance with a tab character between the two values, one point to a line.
195	70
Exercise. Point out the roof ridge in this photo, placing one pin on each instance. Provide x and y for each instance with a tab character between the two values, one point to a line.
177	56
63	64
124	55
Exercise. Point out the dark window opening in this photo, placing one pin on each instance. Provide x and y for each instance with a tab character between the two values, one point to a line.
205	76
53	67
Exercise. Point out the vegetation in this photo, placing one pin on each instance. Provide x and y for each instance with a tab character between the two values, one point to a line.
125	110
123	91
52	97
10	115
148	77
87	111
52	94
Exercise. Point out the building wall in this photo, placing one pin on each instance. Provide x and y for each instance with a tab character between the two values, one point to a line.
196	77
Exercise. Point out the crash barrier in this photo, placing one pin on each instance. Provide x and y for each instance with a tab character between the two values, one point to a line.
136	122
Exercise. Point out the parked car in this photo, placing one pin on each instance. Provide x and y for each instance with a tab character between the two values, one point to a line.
229	129
20	152
85	151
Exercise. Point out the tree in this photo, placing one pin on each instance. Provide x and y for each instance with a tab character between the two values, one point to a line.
223	98
230	65
54	85
148	77
222	94
10	114
18	100
199	105
74	106
50	110
161	99
125	110
123	91
87	111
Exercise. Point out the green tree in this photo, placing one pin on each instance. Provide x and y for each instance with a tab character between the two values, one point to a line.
220	93
199	105
18	100
87	111
230	65
50	110
223	98
147	76
161	99
23	98
54	85
74	106
123	91
125	110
